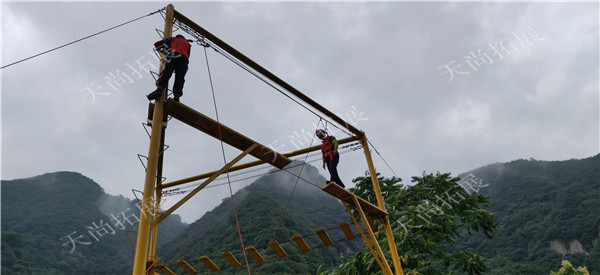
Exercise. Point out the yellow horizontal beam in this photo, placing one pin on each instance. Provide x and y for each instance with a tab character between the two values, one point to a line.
251	164
220	131
201	186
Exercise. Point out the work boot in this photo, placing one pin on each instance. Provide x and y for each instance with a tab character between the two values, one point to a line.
338	183
176	96
155	95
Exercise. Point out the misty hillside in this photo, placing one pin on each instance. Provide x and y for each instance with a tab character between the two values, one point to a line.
547	211
259	208
64	223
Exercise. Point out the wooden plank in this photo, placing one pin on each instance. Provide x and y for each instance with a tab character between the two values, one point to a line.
211	127
274	244
347	197
347	231
187	267
255	254
231	259
164	269
324	237
209	263
301	243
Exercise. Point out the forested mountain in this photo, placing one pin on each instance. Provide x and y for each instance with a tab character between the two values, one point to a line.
64	223
259	209
547	211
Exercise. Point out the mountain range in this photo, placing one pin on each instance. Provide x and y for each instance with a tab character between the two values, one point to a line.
64	222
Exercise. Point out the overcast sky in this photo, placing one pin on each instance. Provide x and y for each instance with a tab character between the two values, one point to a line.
443	87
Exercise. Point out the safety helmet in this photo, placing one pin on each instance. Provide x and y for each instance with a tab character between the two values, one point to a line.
321	133
179	35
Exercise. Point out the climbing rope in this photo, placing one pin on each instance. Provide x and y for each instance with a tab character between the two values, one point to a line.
84	38
237	223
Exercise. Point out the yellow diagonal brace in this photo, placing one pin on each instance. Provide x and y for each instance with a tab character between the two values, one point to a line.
362	233
204	184
387	269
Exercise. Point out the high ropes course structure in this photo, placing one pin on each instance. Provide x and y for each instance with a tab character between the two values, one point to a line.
146	260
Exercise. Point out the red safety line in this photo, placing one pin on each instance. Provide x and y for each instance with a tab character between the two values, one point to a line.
237	223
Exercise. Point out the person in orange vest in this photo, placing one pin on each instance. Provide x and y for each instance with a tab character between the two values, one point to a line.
331	157
177	50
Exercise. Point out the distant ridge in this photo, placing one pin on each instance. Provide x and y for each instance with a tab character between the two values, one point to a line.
547	210
64	223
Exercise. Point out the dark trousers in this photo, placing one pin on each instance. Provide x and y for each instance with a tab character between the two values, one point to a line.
332	167
179	66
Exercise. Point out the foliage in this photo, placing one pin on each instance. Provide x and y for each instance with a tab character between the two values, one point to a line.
568	269
426	219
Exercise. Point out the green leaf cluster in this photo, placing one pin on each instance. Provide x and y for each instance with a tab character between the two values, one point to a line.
426	219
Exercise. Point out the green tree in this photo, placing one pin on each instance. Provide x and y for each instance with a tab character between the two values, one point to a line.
568	269
426	219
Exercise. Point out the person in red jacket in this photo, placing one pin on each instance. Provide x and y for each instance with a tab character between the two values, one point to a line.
331	157
177	50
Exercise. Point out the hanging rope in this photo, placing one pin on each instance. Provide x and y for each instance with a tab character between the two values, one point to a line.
81	39
237	223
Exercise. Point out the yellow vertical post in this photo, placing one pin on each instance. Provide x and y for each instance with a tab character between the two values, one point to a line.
141	246
388	230
154	230
159	178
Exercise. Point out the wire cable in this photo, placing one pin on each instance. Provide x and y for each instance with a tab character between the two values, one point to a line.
386	163
81	39
203	41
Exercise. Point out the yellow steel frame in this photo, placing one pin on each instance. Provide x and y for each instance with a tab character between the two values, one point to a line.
141	247
150	217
